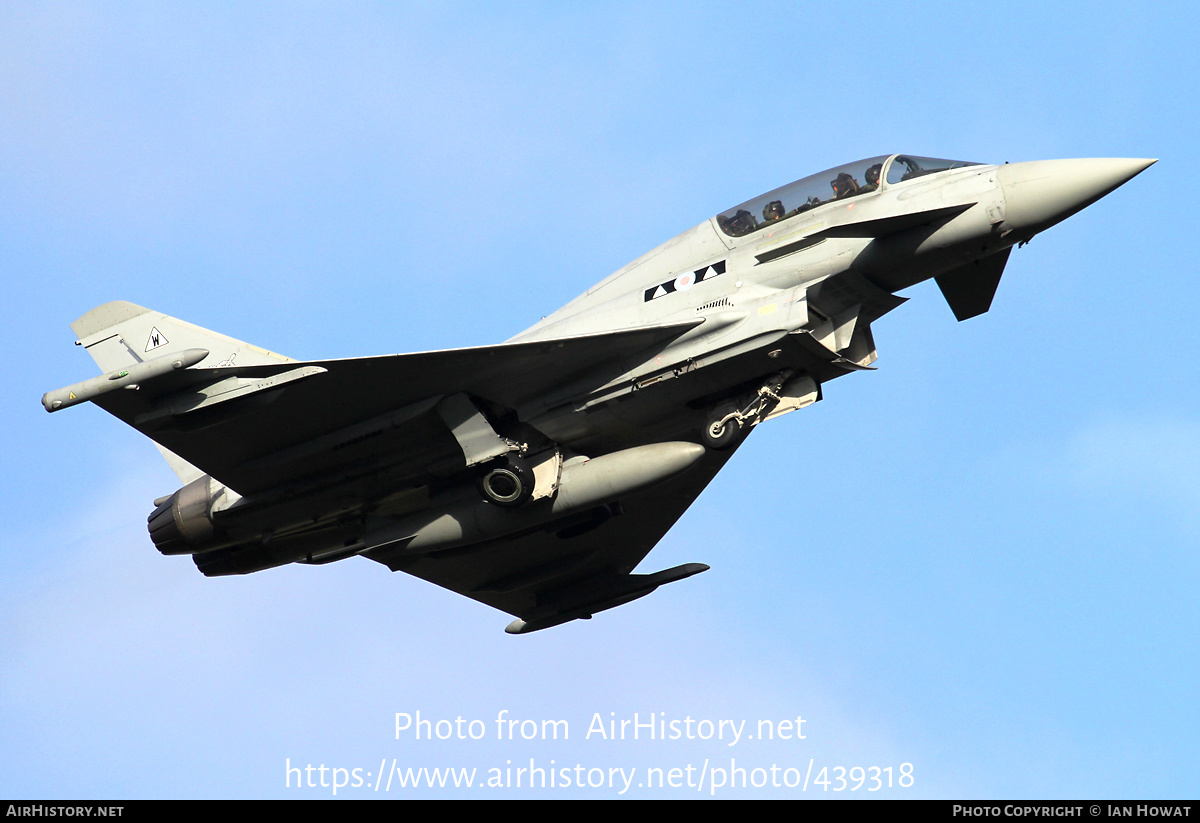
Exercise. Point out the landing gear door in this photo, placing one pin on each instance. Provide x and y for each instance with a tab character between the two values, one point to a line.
547	469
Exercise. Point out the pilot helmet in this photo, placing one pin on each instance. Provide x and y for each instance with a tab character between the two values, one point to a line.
843	185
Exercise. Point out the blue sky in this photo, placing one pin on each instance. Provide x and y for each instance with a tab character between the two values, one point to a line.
980	559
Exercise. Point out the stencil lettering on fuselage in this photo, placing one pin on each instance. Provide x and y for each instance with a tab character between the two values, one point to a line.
685	281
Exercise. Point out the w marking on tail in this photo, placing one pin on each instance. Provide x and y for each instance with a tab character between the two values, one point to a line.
156	339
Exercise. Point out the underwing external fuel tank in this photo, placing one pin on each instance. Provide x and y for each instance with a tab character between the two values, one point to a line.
536	474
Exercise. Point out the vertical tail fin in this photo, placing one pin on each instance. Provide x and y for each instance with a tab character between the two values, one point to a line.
120	334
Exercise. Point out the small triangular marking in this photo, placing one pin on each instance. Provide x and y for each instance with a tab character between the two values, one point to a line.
156	339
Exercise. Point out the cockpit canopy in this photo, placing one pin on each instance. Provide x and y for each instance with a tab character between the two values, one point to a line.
841	183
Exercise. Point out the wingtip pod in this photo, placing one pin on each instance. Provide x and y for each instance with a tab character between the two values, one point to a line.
121	378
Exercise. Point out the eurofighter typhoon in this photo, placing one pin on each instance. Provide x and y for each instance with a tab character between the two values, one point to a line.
535	475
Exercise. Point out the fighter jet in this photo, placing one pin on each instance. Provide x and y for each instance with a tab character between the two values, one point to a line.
536	474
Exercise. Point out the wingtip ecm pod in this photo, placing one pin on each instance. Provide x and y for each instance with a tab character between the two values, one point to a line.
132	377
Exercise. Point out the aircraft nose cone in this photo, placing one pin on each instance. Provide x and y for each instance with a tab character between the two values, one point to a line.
1044	192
